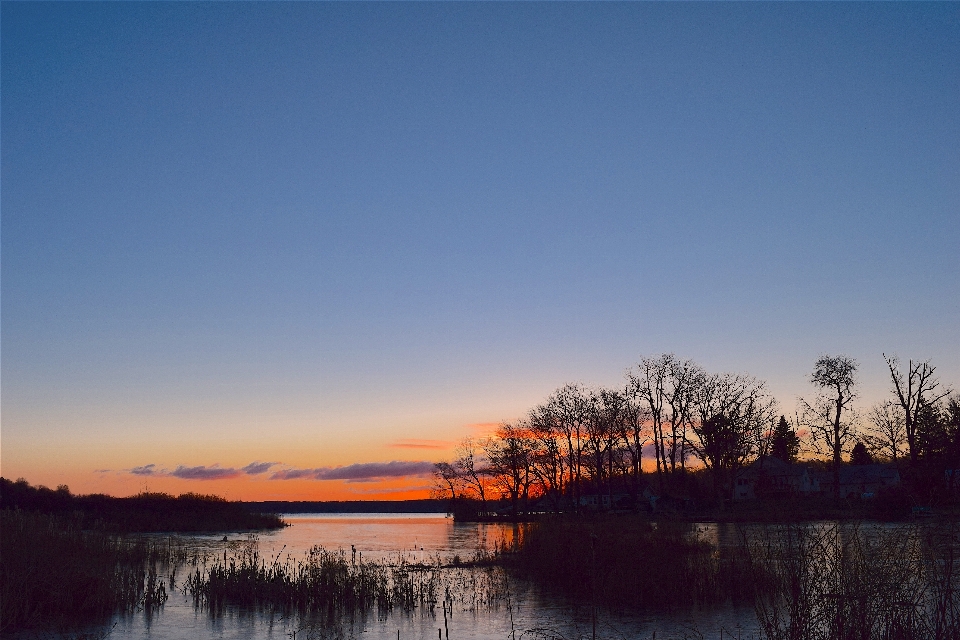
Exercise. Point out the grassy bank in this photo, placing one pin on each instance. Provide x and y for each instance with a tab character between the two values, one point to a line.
55	575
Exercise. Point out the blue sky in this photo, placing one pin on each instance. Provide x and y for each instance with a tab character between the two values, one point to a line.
304	232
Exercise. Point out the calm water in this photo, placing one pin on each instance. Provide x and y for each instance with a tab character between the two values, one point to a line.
413	537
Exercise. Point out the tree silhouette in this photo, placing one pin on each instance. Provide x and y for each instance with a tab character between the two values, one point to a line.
860	455
785	444
917	393
835	377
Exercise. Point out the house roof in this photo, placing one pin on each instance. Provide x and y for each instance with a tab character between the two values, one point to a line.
863	474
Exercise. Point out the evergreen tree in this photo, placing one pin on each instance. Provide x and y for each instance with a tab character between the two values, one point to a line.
785	444
860	455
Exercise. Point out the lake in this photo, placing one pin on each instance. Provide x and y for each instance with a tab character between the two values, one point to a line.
525	613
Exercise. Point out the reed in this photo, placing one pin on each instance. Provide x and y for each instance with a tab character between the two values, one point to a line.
841	581
322	582
624	562
54	574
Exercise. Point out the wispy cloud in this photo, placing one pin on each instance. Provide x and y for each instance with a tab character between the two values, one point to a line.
383	492
360	472
413	443
202	472
293	474
256	468
483	428
145	470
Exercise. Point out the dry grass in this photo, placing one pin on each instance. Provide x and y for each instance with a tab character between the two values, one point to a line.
836	581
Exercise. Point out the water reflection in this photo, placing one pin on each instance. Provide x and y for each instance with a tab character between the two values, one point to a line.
387	537
418	538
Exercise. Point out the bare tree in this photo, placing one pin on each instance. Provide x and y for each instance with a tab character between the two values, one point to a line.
605	425
547	459
646	383
447	481
472	467
666	384
635	434
829	416
916	392
571	409
685	378
734	417
886	434
509	454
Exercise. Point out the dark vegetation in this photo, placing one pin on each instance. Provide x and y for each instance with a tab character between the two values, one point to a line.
146	512
629	563
812	581
56	575
63	562
836	581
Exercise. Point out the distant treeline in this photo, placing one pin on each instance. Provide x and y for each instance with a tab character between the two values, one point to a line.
153	512
585	448
348	506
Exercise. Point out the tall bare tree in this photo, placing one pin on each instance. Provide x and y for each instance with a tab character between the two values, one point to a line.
886	433
646	383
509	454
605	426
547	460
472	466
916	391
636	434
686	376
571	408
829	416
666	384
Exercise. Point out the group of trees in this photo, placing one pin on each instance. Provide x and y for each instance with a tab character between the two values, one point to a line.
919	422
594	441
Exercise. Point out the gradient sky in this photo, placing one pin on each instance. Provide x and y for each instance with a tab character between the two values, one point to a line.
341	237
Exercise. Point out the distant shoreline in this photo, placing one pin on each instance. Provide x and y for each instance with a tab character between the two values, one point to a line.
348	506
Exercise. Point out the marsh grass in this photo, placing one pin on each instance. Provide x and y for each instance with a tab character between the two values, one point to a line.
841	581
322	582
54	574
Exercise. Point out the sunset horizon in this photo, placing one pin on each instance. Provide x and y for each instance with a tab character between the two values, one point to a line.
301	251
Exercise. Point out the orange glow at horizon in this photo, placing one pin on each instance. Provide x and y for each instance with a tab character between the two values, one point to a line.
246	488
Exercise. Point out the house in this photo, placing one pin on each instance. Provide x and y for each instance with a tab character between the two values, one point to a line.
595	502
860	480
621	502
771	477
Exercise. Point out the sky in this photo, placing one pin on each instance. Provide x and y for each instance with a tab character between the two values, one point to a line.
300	250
